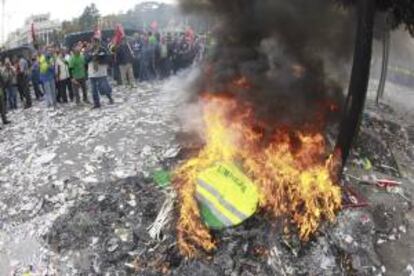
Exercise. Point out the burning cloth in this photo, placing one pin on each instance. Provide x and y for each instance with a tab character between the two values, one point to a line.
226	196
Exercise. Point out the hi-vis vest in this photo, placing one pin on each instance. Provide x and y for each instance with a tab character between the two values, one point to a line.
44	64
226	196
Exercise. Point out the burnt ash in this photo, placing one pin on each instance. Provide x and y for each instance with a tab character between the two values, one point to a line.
99	215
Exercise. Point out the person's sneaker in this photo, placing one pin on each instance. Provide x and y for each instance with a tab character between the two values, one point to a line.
96	107
7	122
111	101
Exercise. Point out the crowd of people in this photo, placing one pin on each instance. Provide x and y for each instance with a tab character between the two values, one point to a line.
59	75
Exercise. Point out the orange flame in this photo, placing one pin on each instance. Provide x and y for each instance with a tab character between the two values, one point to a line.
290	168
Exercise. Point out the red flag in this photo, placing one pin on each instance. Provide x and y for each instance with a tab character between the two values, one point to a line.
190	35
119	35
154	25
97	33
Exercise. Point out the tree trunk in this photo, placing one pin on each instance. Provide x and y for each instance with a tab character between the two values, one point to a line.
385	58
355	101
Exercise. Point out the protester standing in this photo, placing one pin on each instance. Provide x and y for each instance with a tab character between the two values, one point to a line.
173	48
77	67
10	83
184	53
125	59
3	108
23	72
62	77
152	54
137	49
67	56
98	59
35	77
164	63
199	49
16	67
47	76
145	73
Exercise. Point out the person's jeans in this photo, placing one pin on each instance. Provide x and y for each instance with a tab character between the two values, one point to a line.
117	74
165	68
36	88
24	90
71	94
63	87
127	74
80	84
100	86
50	93
145	73
135	66
12	97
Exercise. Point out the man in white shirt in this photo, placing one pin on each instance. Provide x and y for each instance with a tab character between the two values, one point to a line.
62	77
97	72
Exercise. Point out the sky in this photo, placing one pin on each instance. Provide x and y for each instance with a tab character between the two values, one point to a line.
18	10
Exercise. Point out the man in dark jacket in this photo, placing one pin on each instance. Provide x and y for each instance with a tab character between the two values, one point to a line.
137	47
125	58
23	73
3	102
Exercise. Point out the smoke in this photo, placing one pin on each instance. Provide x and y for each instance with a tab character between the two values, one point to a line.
292	52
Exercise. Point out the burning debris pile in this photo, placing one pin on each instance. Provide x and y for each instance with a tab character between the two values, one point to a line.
266	99
294	183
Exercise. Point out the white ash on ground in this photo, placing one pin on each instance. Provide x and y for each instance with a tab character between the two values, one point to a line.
51	159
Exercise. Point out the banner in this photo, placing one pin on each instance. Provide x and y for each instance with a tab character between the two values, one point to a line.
119	35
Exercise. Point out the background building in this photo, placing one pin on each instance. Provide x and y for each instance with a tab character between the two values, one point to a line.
45	28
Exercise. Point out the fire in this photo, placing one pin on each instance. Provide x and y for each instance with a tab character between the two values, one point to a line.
289	167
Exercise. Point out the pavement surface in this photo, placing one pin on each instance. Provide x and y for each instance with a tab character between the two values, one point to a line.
43	151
